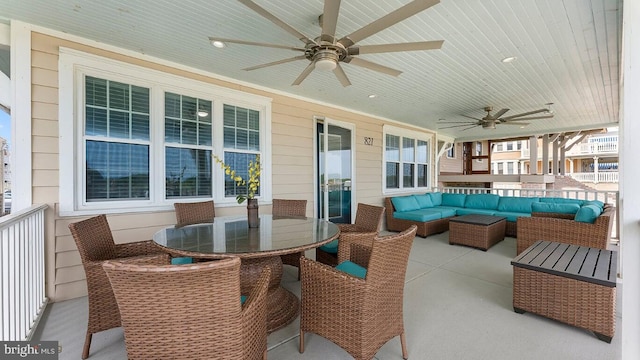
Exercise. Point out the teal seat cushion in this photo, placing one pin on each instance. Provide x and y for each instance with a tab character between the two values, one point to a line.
512	216
547	207
243	298
446	212
466	211
557	200
436	198
181	260
331	248
453	208
516	204
482	201
599	203
424	201
588	214
418	215
456	200
352	268
405	203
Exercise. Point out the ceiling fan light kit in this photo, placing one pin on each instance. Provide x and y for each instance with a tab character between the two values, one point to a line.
326	52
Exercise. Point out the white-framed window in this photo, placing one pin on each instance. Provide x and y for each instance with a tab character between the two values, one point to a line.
143	139
510	168
407	162
451	152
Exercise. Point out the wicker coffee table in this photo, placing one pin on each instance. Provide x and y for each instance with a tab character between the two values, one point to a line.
572	284
479	231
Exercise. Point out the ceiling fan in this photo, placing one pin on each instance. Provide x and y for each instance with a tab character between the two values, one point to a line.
326	51
490	121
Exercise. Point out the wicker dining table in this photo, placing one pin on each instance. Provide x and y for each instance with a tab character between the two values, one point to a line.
257	247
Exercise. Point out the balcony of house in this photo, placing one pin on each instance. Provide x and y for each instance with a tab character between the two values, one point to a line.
596	146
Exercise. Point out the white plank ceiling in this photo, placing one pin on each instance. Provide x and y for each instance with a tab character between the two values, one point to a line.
568	53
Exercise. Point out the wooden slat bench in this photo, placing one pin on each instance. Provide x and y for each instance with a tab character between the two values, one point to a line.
572	284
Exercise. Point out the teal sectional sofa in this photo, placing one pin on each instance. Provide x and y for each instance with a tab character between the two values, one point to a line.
431	211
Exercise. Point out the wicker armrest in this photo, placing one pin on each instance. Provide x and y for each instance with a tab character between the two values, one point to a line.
324	277
345	247
137	248
152	259
345	228
254	315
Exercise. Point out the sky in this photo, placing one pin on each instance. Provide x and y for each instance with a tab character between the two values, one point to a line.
5	126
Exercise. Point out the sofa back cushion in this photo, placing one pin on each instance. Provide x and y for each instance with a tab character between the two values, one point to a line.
424	201
456	200
588	213
599	203
557	200
516	204
405	203
436	198
546	207
482	201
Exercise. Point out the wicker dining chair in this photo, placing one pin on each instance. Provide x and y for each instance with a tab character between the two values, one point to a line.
95	243
190	311
194	213
359	314
282	207
368	220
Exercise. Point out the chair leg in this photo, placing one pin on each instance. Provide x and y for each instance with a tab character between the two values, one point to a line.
87	344
403	342
264	356
301	349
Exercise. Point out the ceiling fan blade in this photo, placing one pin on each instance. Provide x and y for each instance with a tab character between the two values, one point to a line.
513	123
528	118
283	61
470	127
341	75
471	117
304	74
412	46
500	113
372	66
269	16
242	42
330	17
390	19
455	126
524	114
458	122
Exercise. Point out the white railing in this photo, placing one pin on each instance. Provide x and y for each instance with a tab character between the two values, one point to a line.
594	148
610	197
22	277
603	177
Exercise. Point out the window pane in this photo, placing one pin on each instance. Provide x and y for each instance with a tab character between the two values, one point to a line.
118	95
204	134
510	168
96	122
139	99
140	127
172	105
393	175
407	175
229	114
408	150
241	128
422	153
423	175
240	163
392	148
189	107
189	133
183	124
117	171
188	172
172	130
95	91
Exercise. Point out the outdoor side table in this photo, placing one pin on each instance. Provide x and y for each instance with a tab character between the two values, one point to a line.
479	231
572	284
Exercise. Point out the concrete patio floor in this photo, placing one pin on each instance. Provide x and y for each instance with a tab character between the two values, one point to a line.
458	305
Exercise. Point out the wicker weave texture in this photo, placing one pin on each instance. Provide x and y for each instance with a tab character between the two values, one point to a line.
284	207
368	220
190	311
425	228
95	243
578	303
194	213
359	315
596	235
477	236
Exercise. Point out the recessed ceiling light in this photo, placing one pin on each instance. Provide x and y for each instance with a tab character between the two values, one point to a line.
509	59
217	43
372	96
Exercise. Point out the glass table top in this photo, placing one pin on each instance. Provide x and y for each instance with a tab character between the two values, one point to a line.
232	235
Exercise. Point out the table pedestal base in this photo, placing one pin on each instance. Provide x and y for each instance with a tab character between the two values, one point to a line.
282	305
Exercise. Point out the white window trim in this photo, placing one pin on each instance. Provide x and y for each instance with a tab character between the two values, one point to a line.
408	133
74	64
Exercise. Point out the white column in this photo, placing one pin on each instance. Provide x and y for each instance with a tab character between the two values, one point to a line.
545	154
629	175
563	166
595	169
533	155
554	157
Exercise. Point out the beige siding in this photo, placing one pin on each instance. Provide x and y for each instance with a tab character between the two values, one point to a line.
293	135
452	166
